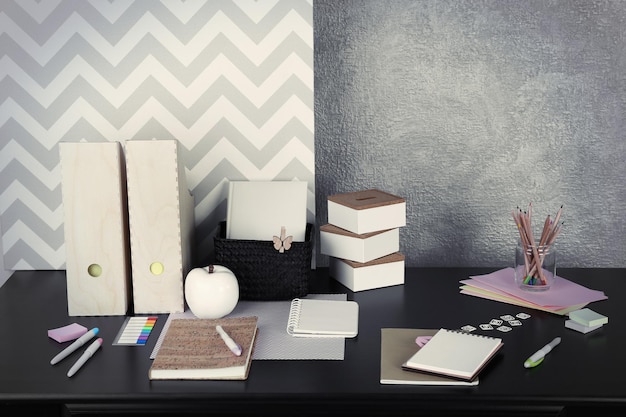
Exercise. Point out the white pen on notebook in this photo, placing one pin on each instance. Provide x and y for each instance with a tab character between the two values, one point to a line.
232	345
75	345
88	353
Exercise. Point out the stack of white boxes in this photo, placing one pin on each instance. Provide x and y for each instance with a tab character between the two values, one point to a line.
362	239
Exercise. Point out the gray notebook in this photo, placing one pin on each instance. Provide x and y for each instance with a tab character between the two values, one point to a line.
396	345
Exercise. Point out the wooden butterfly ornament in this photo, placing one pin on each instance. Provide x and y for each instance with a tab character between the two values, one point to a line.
282	243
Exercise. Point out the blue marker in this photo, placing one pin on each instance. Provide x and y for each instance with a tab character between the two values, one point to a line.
75	345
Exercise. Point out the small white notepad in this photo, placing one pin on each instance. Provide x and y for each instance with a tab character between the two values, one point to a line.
455	353
323	318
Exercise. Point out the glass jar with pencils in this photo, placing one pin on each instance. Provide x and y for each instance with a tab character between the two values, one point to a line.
535	260
535	266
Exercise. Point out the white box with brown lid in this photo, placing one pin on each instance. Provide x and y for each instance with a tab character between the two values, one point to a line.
366	211
341	243
379	273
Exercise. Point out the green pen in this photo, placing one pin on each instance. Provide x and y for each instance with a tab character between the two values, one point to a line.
538	356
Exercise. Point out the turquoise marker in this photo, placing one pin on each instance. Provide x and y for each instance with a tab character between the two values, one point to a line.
75	345
538	356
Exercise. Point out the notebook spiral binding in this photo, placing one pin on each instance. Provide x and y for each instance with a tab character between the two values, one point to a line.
470	334
294	315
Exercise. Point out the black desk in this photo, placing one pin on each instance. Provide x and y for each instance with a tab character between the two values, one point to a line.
584	372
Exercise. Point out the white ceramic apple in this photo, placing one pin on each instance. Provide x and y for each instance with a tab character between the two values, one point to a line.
211	292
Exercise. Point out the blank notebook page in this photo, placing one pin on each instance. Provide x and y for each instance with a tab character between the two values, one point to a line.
455	353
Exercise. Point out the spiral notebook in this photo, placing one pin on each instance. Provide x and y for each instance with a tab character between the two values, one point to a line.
397	344
455	353
323	318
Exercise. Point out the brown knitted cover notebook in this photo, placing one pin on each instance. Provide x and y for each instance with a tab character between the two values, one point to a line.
193	349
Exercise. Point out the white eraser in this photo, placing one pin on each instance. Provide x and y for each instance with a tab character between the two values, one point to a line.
574	325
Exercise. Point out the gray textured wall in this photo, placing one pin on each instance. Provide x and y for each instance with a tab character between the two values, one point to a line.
469	109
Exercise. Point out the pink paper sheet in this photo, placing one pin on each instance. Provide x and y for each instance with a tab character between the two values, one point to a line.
562	294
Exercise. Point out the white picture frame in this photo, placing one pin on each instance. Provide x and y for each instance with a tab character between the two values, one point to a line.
258	210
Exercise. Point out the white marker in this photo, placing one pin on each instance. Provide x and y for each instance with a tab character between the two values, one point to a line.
86	355
75	345
538	356
234	347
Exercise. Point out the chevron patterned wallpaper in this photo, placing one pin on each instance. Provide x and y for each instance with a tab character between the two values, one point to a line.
231	80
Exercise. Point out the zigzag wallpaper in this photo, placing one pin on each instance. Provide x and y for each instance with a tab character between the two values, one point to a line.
231	80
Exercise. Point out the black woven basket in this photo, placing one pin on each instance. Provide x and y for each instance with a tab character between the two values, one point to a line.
264	273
